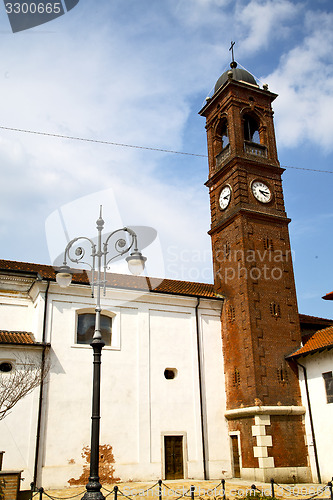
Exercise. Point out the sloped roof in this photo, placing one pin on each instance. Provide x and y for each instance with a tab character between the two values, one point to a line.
315	320
321	340
9	337
328	296
122	281
130	282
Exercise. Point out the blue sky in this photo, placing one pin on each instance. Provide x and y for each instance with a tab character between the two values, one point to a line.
137	72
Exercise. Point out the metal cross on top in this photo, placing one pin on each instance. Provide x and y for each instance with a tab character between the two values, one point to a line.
233	64
232	50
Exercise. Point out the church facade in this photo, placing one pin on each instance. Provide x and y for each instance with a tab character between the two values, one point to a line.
198	380
157	412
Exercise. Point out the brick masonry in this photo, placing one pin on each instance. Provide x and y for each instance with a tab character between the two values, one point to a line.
10	484
253	270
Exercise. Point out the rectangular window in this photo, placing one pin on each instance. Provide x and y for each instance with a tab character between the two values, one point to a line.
328	379
86	328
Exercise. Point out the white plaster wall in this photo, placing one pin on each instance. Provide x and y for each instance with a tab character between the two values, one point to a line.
16	316
175	403
23	311
18	428
37	301
69	398
138	405
322	412
217	446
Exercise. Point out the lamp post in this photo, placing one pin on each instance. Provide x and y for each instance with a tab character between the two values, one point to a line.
99	254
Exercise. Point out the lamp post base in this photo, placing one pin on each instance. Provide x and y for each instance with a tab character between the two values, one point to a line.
94	486
93	491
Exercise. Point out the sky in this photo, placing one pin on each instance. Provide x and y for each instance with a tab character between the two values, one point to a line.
136	72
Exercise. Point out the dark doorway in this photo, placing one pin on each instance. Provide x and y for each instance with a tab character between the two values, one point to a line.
235	456
173	457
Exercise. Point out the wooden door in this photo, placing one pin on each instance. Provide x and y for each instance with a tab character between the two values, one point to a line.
235	456
173	457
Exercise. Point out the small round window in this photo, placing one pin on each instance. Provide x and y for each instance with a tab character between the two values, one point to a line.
170	373
6	367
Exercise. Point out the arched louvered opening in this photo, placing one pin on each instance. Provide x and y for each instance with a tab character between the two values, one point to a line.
251	129
221	141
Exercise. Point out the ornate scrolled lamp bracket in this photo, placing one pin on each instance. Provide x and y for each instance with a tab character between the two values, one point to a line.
135	260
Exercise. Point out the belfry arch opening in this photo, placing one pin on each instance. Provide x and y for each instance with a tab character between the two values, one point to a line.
221	137
251	129
224	134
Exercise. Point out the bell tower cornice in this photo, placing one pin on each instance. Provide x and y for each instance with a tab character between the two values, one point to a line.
264	168
226	92
250	215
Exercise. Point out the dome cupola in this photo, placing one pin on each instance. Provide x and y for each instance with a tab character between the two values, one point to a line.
238	74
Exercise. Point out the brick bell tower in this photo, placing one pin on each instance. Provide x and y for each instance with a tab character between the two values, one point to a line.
253	271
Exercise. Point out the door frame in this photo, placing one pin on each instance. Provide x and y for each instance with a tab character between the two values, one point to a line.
185	455
237	434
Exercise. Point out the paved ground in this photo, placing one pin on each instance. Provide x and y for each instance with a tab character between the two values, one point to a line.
207	490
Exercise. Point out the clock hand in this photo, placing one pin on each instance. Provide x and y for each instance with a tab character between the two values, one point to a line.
265	193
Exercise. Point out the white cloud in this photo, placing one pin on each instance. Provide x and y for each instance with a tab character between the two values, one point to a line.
183	249
131	101
138	79
119	85
264	21
304	82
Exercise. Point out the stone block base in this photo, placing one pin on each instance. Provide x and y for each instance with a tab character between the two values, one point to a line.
283	475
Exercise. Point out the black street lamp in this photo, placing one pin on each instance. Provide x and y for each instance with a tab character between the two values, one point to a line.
136	264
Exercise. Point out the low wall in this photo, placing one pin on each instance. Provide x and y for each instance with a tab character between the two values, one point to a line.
9	484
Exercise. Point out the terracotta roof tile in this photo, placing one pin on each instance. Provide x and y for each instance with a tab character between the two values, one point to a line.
8	337
328	296
130	282
45	271
321	340
176	287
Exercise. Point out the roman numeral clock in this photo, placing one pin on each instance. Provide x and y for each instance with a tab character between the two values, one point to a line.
253	270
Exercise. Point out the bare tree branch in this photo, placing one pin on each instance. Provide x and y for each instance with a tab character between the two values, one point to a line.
16	384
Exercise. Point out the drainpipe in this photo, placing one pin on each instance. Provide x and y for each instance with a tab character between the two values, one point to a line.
41	388
201	390
311	421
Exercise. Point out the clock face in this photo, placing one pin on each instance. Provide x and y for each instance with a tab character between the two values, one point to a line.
261	191
225	196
